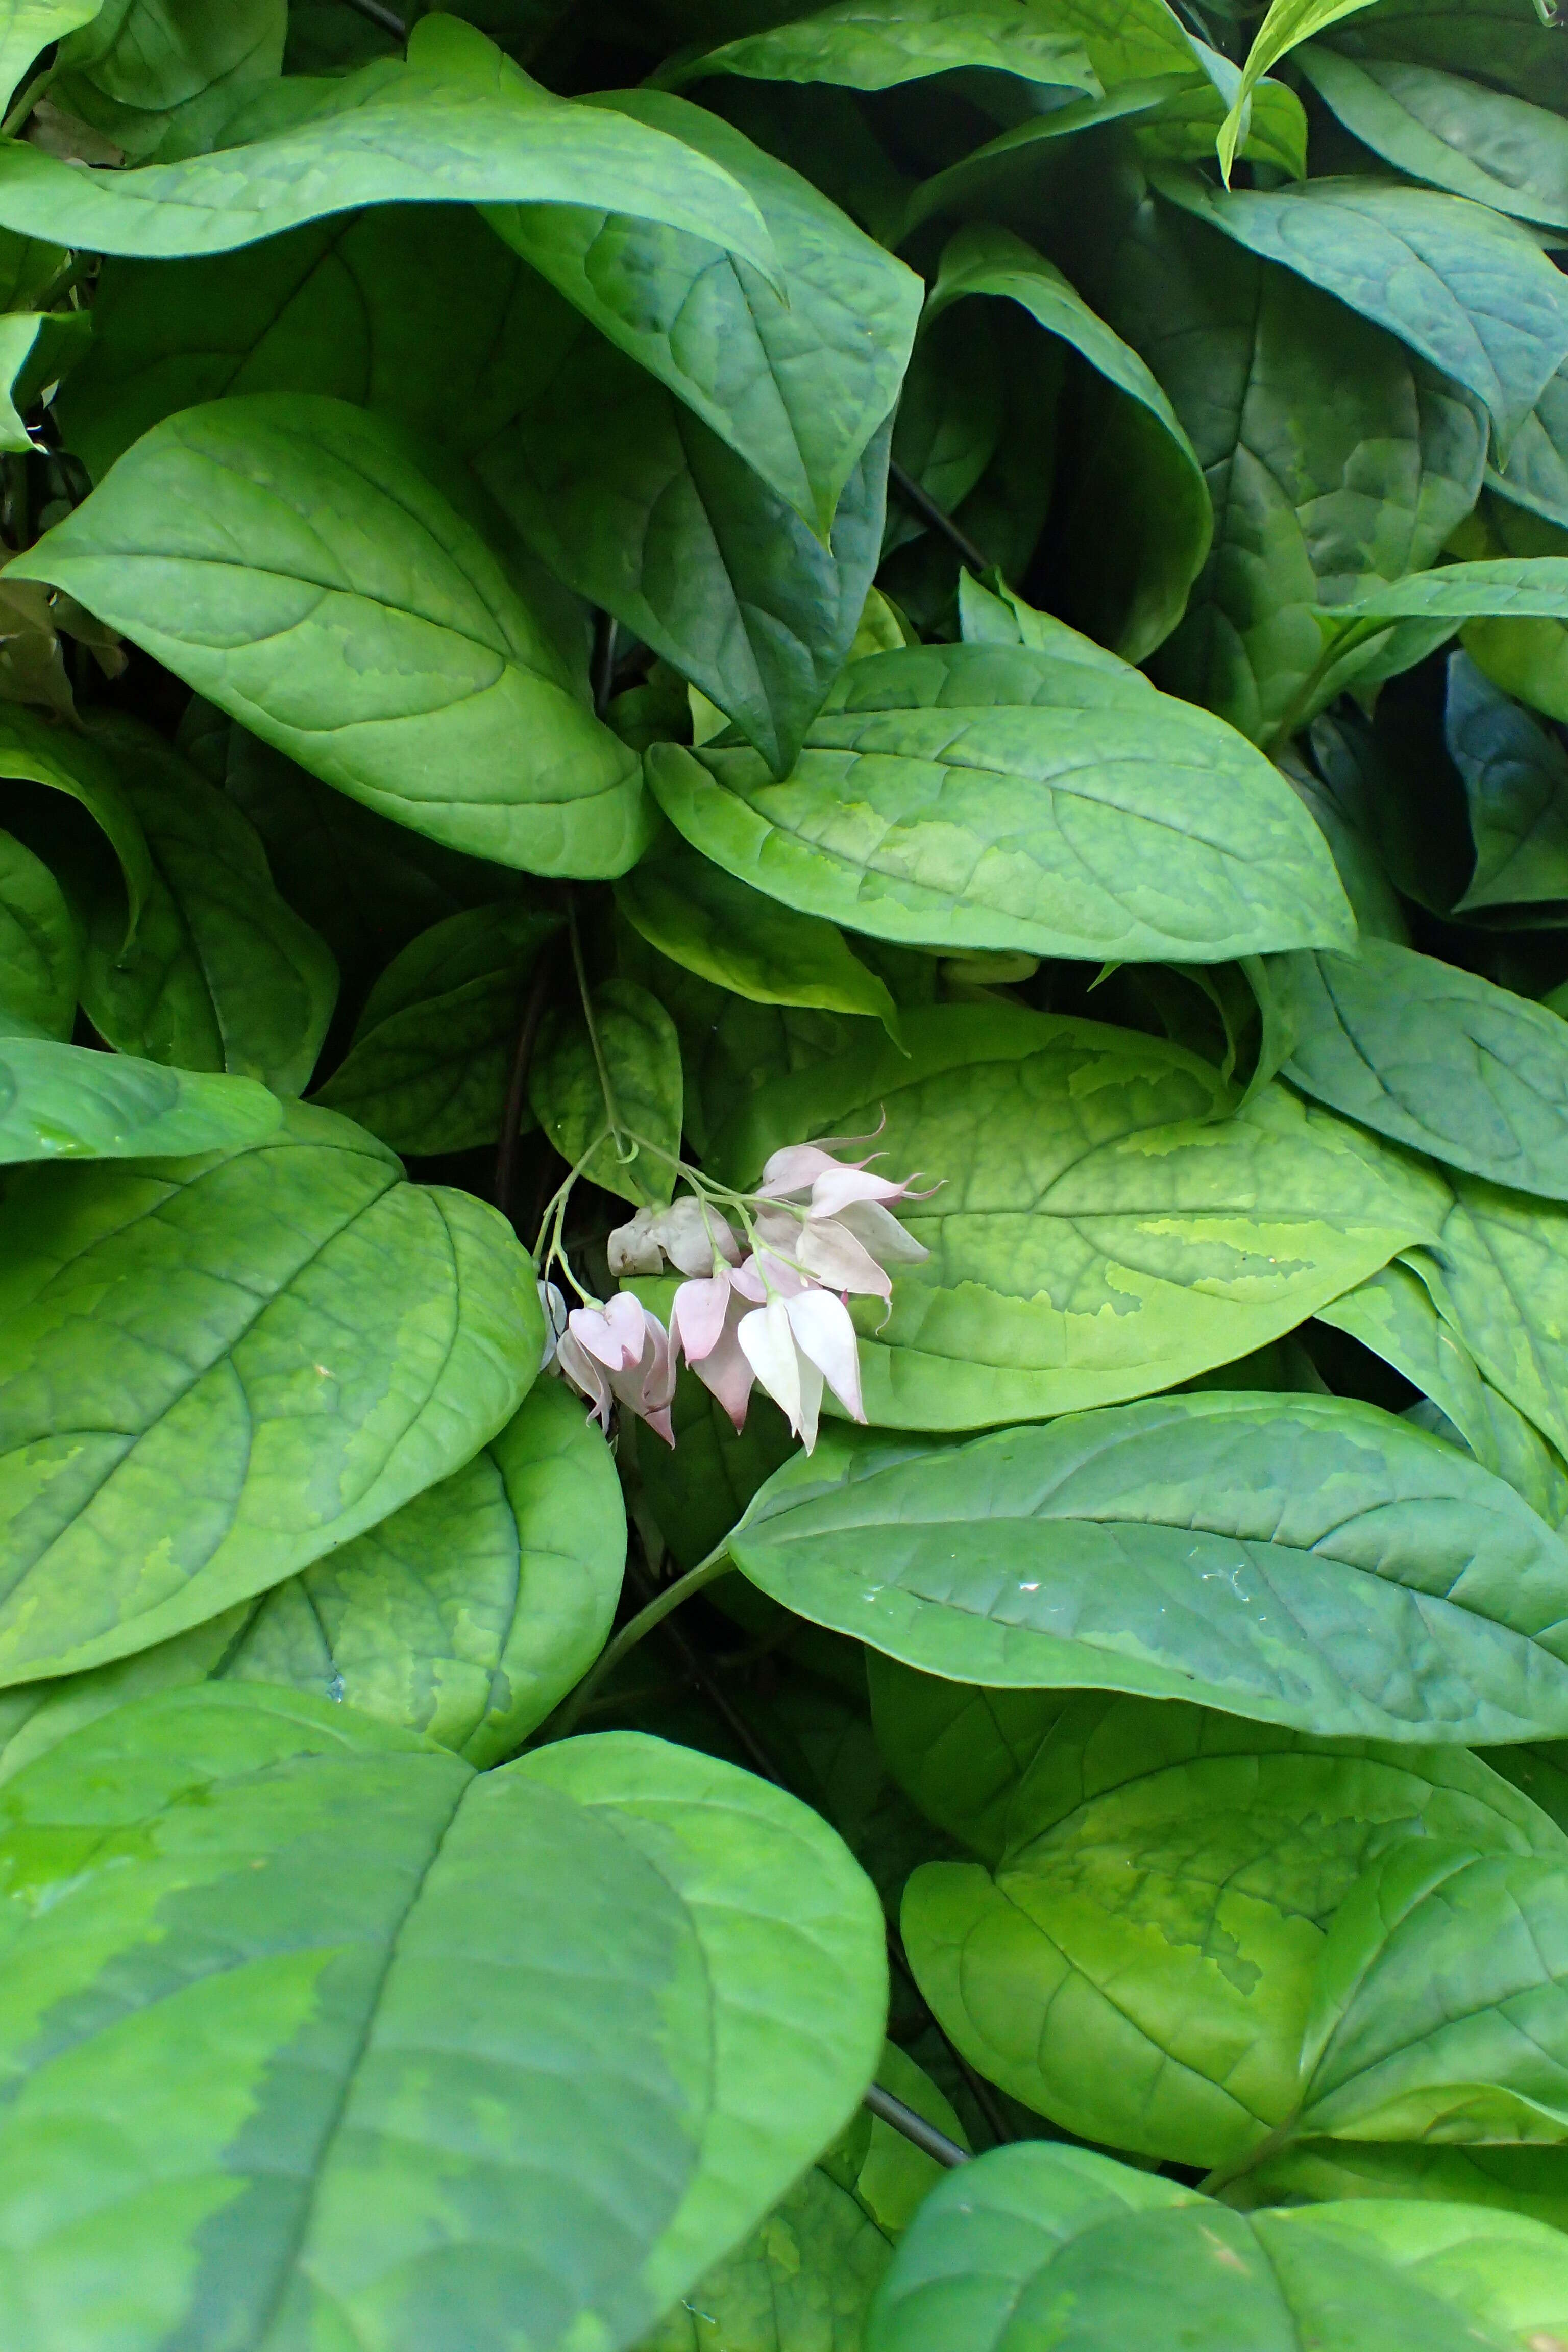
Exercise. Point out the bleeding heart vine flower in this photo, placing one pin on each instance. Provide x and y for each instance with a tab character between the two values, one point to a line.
820	1230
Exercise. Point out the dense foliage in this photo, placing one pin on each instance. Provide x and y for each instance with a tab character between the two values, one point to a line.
784	1261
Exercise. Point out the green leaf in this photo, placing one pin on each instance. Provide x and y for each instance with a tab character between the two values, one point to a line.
1103	1228
1452	133
27	27
38	955
1191	122
1128	40
988	796
1288	23
465	1615
1434	1057
222	975
1498	1277
992	614
1502	586
803	2279
34	352
161	78
703	920
1344	823
1515	775
428	1065
1503	42
1010	168
1470	292
1529	2181
285	556
286	1335
1301	1559
1140	1961
1392	1314
309	2122
1333	456
1030	2232
39	751
1135	591
796	381
456	123
879	44
1535	474
610	1097
65	1102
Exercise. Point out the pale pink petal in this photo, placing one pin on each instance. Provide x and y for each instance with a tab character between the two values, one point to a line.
785	1279
778	1242
697	1316
748	1281
830	1252
692	1237
634	1247
889	1242
616	1333
769	1345
793	1169
826	1337
586	1376
725	1371
839	1186
553	1307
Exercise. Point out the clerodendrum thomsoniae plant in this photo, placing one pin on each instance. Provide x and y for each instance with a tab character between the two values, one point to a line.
783	1283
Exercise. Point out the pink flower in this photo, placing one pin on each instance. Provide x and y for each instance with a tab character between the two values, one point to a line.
793	1345
691	1235
704	1320
621	1352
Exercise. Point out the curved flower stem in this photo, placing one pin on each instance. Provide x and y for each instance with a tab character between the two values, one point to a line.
636	1630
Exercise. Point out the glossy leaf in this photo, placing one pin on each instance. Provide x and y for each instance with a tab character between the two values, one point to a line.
309	2081
1455	134
429	1062
465	1615
27	27
1498	1276
794	379
454	712
1503	586
1515	775
38	953
1504	42
1144	589
1103	1229
1305	1560
877	44
35	750
1470	292
1288	23
1128	40
222	975
1034	2232
977	796
287	1332
161	78
65	1102
449	126
1432	1058
1533	2181
611	1101
708	922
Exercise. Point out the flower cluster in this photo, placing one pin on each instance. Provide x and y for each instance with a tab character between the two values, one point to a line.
768	1304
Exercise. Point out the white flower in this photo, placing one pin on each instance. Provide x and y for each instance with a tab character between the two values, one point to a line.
691	1235
793	1345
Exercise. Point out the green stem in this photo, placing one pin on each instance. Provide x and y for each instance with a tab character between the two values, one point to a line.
636	1630
1360	633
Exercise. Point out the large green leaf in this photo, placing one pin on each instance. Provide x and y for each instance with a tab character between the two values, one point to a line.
449	126
1333	457
990	796
1300	1559
1394	1315
1128	40
222	975
1103	1228
1455	134
27	27
465	1615
610	1097
1529	2181
795	380
1434	1057
705	920
1515	775
39	947
1498	1276
429	1062
468	2061
1140	1959
1143	522
39	751
1504	42
65	1102
1288	23
1470	292
161	78
1038	2238
286	557
287	1336
877	44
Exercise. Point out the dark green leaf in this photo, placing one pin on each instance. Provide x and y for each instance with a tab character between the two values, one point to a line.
1103	1229
429	1061
877	44
989	796
27	27
161	78
39	953
286	557
610	1099
699	1490
1504	42
1455	134
286	1335
1305	1560
341	2084
1529	2181
41	751
465	1615
1515	776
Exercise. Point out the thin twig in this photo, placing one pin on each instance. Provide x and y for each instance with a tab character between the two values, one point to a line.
387	19
915	2127
517	1085
919	502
